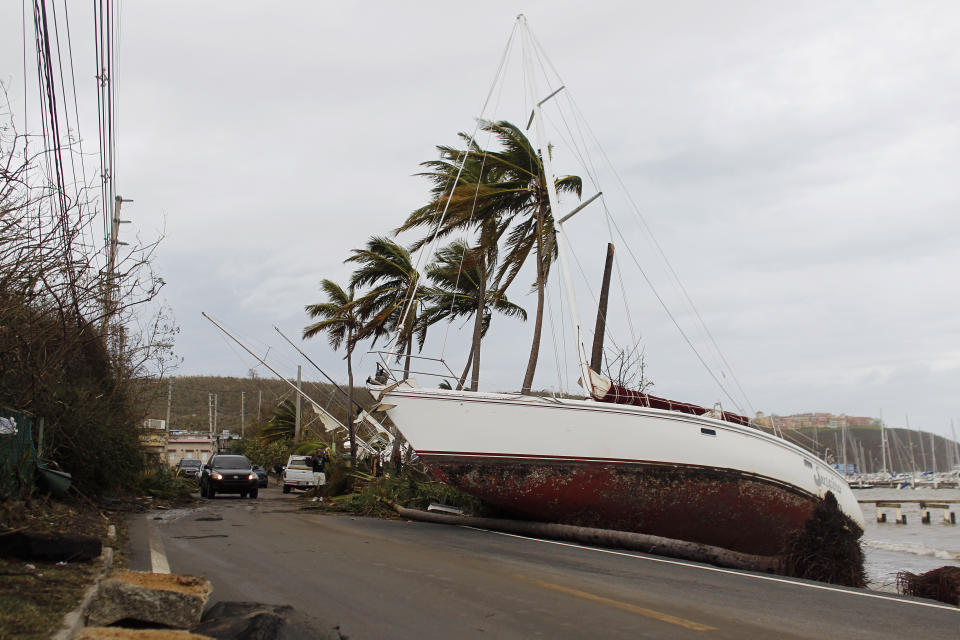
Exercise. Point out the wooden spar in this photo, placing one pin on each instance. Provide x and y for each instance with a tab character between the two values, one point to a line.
606	537
596	357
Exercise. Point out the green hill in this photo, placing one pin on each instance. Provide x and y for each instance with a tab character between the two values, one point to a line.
908	450
190	398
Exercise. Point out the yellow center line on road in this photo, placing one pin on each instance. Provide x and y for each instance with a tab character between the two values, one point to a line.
626	606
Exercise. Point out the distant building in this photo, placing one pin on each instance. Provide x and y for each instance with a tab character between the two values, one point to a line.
153	437
817	420
189	445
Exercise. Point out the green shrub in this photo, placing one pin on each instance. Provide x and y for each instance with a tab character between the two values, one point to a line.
161	481
358	492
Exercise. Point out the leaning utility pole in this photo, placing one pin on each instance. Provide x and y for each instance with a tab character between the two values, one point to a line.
296	426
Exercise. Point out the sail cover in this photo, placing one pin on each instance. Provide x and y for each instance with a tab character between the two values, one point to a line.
621	395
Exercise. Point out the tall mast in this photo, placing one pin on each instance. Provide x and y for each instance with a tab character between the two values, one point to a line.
956	449
883	443
596	356
561	239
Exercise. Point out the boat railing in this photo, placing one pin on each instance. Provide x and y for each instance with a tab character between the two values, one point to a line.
388	368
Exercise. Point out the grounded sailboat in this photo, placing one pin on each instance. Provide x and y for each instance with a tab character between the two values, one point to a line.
619	459
615	466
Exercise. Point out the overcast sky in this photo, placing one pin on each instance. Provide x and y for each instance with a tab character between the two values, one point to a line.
797	162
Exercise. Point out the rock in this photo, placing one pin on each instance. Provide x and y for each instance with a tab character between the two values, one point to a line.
119	633
256	621
160	598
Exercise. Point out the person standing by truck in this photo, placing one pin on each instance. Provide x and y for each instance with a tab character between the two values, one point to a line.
318	461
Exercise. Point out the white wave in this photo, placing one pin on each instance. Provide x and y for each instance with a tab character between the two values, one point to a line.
916	549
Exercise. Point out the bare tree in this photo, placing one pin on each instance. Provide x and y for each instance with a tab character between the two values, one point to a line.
628	368
61	359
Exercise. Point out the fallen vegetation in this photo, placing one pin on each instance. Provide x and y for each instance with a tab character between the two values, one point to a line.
828	548
357	492
941	584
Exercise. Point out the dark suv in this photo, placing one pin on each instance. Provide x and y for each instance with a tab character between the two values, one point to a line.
228	474
189	468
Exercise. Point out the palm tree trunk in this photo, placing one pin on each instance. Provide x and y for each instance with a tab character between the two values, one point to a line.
350	416
478	324
466	369
406	365
538	320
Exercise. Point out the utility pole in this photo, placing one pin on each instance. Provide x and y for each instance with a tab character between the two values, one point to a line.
169	402
296	426
216	411
243	396
210	412
259	403
110	286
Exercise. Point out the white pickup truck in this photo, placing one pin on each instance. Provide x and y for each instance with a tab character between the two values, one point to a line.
298	474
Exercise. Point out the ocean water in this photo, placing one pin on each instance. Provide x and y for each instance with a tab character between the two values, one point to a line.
915	547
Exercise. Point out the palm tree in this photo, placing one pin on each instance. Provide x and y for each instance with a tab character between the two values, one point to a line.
459	289
387	268
341	320
496	193
282	424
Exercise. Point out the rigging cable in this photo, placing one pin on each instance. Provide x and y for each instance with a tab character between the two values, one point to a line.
394	343
662	254
674	320
577	142
543	57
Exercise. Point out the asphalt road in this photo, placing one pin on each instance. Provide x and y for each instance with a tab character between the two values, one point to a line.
399	579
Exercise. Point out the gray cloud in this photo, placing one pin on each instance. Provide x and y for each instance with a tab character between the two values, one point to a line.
797	163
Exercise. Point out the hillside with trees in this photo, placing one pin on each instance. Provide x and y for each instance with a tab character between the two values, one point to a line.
253	399
908	450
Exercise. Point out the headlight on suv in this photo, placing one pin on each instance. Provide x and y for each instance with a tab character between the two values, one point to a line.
252	476
217	476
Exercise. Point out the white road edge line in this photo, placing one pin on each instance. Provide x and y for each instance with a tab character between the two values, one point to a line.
726	571
158	558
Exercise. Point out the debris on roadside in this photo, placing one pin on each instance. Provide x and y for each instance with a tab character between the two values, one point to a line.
171	600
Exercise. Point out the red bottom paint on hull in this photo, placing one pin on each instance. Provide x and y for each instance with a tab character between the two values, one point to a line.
719	507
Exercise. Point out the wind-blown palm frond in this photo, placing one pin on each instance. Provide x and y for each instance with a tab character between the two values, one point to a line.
341	319
496	192
459	290
388	268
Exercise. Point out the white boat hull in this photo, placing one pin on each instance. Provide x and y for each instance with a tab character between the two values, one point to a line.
618	466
